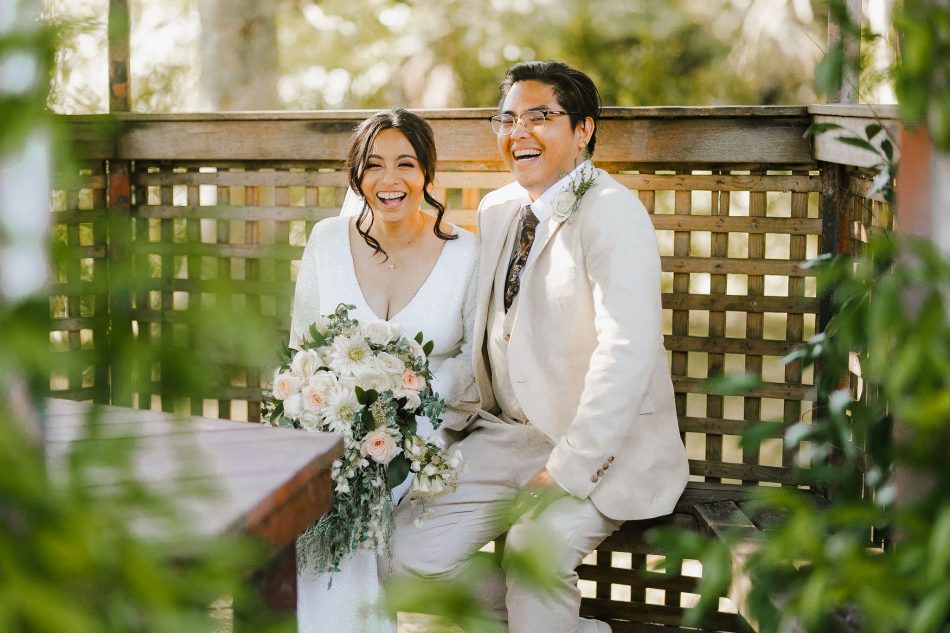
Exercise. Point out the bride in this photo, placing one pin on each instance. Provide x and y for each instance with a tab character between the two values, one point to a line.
394	262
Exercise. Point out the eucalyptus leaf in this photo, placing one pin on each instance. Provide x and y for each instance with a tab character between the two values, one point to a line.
396	471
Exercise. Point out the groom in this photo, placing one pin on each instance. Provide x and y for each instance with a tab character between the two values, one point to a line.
576	414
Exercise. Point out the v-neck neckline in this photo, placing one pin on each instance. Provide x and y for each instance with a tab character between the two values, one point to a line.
359	288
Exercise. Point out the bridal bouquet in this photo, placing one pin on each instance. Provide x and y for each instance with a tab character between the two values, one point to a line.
367	382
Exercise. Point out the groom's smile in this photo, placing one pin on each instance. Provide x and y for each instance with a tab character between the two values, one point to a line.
551	149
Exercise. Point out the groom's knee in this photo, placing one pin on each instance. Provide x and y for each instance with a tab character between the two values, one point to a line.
414	555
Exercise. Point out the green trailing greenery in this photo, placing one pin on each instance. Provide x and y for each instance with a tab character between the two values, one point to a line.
859	554
70	556
872	551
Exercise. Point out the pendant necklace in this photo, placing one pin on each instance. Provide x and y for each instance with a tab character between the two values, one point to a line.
391	264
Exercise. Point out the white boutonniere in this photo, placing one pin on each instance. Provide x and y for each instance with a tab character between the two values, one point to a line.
567	200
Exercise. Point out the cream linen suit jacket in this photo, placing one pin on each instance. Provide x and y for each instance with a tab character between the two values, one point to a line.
586	354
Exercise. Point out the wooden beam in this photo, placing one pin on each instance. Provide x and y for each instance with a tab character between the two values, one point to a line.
685	136
119	56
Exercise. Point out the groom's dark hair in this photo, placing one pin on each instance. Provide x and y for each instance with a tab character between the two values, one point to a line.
574	90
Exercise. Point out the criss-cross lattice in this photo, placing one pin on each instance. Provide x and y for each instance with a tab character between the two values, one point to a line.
529	222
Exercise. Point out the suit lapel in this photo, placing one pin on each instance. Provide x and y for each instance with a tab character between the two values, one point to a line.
490	258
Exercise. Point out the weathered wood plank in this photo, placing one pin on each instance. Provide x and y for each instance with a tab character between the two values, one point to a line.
266	495
737	224
735	265
656	614
275	213
763	347
777	390
747	473
719	182
718	425
828	147
676	136
739	303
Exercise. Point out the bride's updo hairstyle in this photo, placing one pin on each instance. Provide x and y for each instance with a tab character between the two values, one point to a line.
419	134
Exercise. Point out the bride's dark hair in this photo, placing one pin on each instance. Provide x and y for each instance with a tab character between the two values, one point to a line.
419	135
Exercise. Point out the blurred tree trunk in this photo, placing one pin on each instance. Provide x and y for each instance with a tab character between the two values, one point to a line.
238	55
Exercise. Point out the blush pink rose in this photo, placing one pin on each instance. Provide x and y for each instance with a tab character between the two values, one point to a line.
379	446
412	380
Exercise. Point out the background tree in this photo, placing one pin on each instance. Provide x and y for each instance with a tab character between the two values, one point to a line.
238	55
445	53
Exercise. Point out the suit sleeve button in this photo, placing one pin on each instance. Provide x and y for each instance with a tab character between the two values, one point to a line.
600	473
507	336
593	479
610	459
607	465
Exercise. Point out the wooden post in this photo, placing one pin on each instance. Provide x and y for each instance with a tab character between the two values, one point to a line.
923	200
121	279
119	56
848	37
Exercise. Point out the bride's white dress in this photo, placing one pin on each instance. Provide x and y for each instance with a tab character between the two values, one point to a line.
442	310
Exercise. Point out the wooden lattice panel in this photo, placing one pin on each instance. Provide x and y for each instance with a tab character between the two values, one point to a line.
225	235
79	288
736	299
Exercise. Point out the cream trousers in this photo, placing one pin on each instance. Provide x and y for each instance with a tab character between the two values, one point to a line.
499	459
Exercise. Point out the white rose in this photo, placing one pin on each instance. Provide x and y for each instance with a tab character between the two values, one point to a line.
285	385
413	401
437	487
293	406
430	470
563	205
305	363
379	446
372	377
310	421
380	332
415	349
322	324
390	364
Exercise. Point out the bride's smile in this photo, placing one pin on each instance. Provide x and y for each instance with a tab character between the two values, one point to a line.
393	181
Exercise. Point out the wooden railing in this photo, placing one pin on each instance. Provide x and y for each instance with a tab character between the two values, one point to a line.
738	196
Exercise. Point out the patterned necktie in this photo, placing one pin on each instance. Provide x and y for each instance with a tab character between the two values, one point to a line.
529	221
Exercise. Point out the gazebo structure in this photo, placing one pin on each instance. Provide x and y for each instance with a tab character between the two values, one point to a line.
169	214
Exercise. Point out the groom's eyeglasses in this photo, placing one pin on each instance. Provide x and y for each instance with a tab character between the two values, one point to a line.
504	124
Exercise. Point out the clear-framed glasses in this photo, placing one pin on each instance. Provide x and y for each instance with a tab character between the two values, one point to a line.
504	124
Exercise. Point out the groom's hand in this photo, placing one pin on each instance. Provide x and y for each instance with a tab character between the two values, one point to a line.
540	492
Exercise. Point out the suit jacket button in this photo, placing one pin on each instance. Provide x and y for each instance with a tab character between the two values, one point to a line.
593	479
507	336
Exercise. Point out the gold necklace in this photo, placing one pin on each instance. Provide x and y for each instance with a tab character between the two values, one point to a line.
391	265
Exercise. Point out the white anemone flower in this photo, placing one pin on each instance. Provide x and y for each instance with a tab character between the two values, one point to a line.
340	408
350	355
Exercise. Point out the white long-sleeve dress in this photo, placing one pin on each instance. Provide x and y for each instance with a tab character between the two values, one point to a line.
442	309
